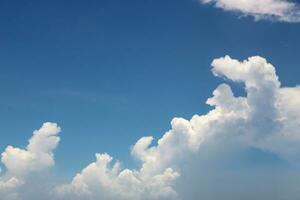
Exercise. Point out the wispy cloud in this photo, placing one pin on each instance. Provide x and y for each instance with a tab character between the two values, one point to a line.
275	10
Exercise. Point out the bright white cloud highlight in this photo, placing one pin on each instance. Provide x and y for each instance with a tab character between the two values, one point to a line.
37	156
261	120
267	118
276	10
100	181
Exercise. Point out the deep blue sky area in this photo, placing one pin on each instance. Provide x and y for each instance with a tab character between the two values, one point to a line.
111	71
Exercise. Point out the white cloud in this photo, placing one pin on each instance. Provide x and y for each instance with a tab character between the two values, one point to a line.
100	181
267	118
9	187
37	156
276	10
262	120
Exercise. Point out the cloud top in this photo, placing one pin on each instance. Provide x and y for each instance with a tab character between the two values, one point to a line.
275	10
259	120
266	119
38	154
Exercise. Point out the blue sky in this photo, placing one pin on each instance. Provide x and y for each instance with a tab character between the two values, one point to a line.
111	71
108	69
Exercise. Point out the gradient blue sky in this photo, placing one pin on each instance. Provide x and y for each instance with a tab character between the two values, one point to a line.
111	71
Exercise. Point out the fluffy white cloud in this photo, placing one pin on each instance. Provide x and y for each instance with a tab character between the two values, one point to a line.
37	156
9	188
267	118
100	181
278	10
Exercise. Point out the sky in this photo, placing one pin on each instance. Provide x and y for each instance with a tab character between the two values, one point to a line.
108	73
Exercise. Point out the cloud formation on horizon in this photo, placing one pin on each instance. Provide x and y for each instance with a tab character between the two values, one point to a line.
275	10
266	118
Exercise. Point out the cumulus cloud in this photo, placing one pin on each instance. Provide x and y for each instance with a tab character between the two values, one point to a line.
266	119
276	10
100	181
9	188
37	156
262	119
